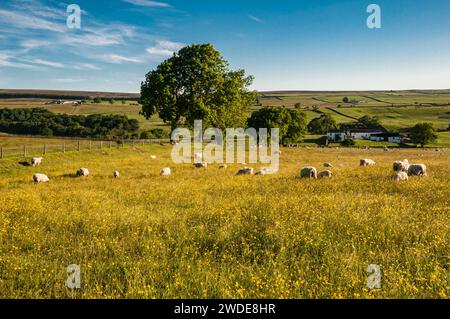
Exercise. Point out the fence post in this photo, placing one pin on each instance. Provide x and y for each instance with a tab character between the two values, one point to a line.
101	145
78	146
45	149
24	151
90	146
1	152
64	147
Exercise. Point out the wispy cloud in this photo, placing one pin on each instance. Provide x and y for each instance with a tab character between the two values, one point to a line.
27	21
6	60
33	43
47	63
147	3
255	18
165	48
118	59
86	66
68	80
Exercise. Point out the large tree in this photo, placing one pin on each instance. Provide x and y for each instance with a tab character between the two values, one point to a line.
423	133
322	124
290	122
196	83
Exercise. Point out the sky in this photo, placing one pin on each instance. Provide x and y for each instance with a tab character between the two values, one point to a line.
285	45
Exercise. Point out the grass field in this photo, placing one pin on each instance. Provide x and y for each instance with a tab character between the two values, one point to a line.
207	233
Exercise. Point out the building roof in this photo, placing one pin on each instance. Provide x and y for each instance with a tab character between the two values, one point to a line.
366	130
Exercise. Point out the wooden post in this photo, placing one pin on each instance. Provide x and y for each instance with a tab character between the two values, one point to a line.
45	149
90	146
78	146
24	151
101	145
64	147
1	152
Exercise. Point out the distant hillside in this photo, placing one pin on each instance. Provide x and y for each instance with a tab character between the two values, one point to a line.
55	94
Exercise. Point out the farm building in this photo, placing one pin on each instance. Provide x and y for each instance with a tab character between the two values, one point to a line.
386	137
359	134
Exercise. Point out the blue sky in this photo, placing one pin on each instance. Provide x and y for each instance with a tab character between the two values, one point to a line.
286	45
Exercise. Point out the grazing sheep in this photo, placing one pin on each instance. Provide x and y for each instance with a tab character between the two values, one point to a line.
417	169
327	165
116	174
153	157
401	166
277	152
400	176
166	171
245	171
308	172
83	172
200	165
265	171
36	161
40	178
366	162
386	149
198	156
326	173
223	166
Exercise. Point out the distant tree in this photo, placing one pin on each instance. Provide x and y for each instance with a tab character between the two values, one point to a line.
348	142
368	121
196	83
97	100
345	100
111	101
322	124
290	122
298	105
423	134
124	102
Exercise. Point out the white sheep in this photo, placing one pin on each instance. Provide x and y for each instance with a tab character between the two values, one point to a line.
223	166
40	178
116	174
265	171
417	169
308	172
36	161
83	172
245	171
326	173
400	176
366	162
153	157
327	165
201	165
166	171
401	166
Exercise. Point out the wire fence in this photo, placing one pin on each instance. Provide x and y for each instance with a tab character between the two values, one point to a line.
69	145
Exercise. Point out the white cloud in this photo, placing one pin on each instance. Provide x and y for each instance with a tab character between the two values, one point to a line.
25	21
254	18
47	63
165	48
147	3
68	80
118	59
86	66
32	43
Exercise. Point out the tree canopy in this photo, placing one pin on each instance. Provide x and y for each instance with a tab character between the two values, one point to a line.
322	124
196	83
423	134
291	122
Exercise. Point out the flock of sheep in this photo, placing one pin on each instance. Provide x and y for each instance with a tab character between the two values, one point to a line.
402	170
